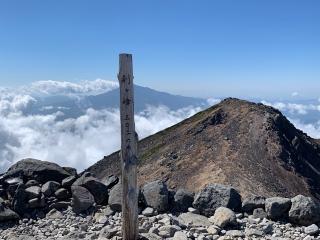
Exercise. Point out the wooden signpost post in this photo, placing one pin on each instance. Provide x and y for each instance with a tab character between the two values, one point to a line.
128	150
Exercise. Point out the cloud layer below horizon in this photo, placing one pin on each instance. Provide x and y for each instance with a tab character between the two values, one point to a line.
82	141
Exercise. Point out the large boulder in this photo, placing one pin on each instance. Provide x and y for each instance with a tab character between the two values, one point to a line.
304	210
253	202
19	200
115	197
192	219
49	188
96	187
156	195
277	207
67	182
33	192
82	199
214	196
183	199
7	214
41	171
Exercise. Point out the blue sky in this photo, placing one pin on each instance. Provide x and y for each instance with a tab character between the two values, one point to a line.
197	48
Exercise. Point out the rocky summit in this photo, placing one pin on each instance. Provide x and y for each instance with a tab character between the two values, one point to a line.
250	146
36	205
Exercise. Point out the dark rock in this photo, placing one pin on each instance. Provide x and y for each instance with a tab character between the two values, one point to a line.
62	194
115	197
7	214
96	187
183	199
277	207
259	213
36	203
82	199
31	183
304	211
71	171
40	171
33	192
111	181
60	205
19	200
253	202
12	185
214	196
67	182
156	195
49	188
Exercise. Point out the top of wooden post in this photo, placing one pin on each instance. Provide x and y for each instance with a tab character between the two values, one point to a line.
125	64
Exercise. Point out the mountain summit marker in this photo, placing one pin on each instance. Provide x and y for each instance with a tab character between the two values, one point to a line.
129	150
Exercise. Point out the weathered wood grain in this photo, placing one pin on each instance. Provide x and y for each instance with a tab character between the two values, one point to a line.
128	149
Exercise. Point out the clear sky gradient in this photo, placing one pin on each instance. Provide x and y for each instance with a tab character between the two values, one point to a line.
266	48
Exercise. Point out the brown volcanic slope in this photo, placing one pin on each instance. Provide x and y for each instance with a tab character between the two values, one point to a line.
249	146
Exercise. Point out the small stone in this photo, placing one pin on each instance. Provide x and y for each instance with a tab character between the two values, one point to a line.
148	212
311	230
180	236
235	233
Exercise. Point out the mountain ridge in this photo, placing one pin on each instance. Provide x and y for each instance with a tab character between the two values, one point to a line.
248	145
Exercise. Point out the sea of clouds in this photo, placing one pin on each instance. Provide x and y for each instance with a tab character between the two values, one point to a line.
78	142
81	141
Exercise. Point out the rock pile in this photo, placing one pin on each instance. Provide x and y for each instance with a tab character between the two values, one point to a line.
45	201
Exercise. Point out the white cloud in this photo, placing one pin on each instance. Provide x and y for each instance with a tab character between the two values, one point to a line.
75	142
312	129
293	107
50	87
213	101
294	94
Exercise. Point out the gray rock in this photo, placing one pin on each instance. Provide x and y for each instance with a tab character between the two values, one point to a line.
61	205
311	230
49	188
194	220
67	182
33	192
7	214
180	236
148	212
62	194
277	207
111	181
54	214
223	217
82	199
36	203
72	171
304	210
40	171
31	183
96	187
183	199
253	202
115	197
156	195
168	230
149	236
235	234
259	213
19	200
214	196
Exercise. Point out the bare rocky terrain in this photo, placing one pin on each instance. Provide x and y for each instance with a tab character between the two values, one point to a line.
250	146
